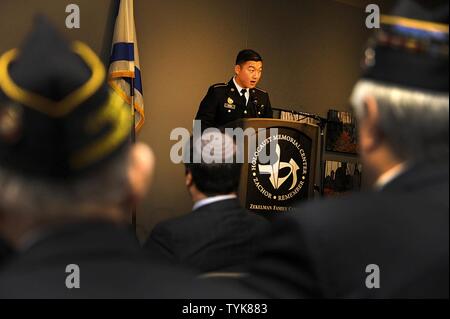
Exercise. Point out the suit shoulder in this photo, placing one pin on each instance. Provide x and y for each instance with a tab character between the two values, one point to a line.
343	211
174	225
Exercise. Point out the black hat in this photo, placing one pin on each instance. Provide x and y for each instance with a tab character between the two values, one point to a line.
58	117
411	48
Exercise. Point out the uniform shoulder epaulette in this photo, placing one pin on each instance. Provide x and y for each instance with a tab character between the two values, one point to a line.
218	85
260	90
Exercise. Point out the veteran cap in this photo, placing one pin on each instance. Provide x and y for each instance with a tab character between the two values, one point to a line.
58	117
411	47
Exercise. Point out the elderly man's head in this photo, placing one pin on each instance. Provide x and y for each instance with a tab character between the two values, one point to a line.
402	101
65	148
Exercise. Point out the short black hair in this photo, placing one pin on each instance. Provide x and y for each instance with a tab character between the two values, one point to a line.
214	178
248	55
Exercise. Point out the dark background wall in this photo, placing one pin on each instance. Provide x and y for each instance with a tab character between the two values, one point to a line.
312	50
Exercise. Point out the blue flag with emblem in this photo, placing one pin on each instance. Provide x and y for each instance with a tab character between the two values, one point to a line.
124	69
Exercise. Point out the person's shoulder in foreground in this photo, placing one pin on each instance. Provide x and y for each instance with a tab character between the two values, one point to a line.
6	251
101	260
330	248
218	236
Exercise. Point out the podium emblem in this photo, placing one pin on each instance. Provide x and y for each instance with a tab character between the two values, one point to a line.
274	171
278	172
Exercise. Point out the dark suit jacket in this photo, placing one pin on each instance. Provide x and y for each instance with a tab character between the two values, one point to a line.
111	263
6	251
324	249
218	236
224	104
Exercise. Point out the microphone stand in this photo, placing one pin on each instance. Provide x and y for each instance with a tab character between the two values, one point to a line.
133	141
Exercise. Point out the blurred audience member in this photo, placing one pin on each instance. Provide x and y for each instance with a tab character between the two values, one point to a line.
218	234
393	241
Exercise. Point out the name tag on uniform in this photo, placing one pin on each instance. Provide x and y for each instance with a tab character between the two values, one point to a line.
229	106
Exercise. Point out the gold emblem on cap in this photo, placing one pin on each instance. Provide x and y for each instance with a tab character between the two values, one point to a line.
10	123
43	104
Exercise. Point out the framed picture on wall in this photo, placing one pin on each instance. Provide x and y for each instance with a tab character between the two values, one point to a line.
341	133
341	178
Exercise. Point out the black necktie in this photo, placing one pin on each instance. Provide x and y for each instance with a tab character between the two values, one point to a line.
243	91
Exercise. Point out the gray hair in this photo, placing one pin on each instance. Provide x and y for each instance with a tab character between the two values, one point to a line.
43	198
414	122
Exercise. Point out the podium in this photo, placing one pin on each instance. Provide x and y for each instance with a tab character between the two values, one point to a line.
276	183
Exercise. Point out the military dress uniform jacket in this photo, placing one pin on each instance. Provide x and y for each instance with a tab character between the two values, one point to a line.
224	104
325	247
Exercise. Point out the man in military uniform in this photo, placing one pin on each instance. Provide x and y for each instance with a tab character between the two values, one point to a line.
239	98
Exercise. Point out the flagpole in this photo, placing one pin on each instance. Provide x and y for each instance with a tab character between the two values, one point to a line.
133	141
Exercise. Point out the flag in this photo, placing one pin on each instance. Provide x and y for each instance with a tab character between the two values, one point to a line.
124	69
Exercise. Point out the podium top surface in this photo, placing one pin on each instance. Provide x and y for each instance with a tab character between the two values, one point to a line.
265	122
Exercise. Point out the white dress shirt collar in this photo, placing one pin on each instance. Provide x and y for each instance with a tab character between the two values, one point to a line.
240	88
210	200
391	174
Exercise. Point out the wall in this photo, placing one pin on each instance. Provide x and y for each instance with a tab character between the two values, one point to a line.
16	19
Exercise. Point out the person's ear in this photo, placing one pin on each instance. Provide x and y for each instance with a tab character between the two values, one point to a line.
237	69
188	179
370	135
140	169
